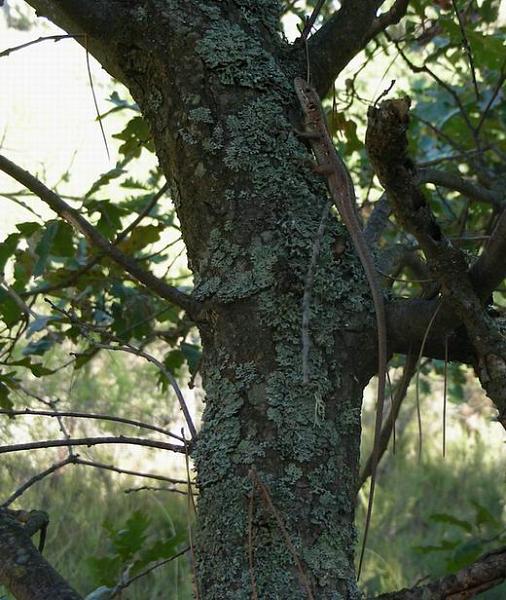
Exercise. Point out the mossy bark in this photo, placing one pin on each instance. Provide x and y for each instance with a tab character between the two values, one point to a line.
216	87
215	81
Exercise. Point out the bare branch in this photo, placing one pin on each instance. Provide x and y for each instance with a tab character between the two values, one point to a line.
377	221
486	573
88	463
465	186
391	17
490	268
333	46
151	488
45	38
121	586
35	479
386	144
311	20
73	217
91	441
81	415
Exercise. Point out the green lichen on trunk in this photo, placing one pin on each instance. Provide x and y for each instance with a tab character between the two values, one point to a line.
249	212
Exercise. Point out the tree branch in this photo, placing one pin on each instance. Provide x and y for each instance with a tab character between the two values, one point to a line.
81	415
332	47
377	221
66	212
460	184
386	143
23	570
490	268
92	441
391	17
486	573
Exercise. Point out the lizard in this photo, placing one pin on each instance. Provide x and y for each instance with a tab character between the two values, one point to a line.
342	192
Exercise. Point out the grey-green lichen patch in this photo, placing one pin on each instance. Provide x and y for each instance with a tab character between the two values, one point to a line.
266	12
293	473
187	136
238	58
246	374
240	272
214	143
201	114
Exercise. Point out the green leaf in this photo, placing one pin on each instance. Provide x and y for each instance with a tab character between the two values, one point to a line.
465	554
110	217
38	347
105	569
28	228
40	323
63	243
5	402
43	248
192	354
9	309
140	238
160	549
7	249
444	546
38	369
483	516
105	179
130	539
174	360
451	520
136	136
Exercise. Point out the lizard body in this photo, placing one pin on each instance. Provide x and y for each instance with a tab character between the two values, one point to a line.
342	192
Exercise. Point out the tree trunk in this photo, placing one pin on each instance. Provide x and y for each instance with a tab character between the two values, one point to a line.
223	123
277	460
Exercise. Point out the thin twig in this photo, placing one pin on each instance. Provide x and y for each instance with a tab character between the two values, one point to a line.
151	488
95	102
417	388
97	465
120	587
81	415
91	441
35	479
55	38
497	88
467	47
311	20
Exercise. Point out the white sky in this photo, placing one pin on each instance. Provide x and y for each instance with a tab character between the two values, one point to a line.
47	115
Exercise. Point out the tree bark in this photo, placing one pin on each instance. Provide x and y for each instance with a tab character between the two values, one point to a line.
23	570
